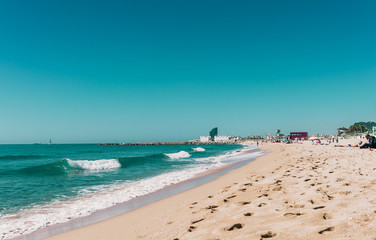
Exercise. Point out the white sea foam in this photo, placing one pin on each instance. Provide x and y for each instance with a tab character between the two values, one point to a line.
101	197
102	164
181	154
232	156
199	149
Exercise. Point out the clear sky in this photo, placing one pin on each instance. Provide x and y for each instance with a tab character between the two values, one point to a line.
147	70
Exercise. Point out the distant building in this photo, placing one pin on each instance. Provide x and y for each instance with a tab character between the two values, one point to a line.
205	139
299	135
221	138
213	132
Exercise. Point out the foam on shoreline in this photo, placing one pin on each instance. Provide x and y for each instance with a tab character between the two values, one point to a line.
102	197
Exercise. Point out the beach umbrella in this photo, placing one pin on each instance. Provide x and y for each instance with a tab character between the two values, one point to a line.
313	138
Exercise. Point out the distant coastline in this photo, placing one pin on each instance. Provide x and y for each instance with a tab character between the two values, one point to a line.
175	143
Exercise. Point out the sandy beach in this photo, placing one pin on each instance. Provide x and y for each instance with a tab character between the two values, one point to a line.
297	191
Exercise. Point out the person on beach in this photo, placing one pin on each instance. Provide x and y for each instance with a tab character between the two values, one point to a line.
350	145
371	143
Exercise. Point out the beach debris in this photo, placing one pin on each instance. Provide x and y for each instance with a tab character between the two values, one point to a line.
235	226
247	214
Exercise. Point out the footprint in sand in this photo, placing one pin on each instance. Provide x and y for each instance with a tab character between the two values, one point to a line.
226	200
269	234
326	216
212	208
235	226
298	206
346	193
292	214
191	228
319	207
194	222
329	229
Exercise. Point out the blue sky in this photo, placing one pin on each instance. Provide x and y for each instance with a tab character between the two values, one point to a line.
106	71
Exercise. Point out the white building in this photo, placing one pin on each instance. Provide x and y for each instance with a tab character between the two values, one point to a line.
205	139
221	138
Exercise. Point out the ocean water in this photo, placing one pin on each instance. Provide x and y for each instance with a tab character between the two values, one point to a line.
41	185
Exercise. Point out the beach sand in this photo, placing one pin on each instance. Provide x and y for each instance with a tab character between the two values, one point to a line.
297	191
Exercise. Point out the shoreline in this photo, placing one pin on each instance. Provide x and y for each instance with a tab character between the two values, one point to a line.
136	203
297	191
139	215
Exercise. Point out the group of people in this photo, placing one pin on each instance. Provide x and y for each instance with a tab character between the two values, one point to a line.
371	143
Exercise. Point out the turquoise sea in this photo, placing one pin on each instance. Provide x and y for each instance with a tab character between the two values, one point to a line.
45	184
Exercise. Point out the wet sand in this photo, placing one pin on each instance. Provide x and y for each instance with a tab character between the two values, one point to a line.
298	191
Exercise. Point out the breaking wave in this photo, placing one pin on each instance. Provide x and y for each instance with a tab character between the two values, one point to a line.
102	164
178	155
199	149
